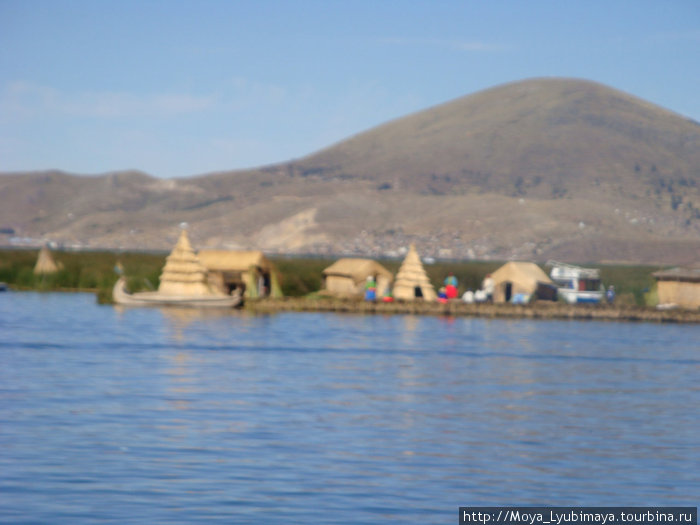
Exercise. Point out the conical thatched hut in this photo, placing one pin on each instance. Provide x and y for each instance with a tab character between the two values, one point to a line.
249	271
347	277
45	263
412	282
183	274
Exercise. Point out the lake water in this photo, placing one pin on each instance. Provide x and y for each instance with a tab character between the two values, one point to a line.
148	415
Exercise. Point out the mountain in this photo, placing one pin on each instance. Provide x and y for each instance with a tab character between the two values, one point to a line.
537	169
543	138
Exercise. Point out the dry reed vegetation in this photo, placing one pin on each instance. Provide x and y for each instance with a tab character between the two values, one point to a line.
95	271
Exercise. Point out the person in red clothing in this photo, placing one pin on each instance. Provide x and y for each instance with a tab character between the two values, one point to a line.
451	286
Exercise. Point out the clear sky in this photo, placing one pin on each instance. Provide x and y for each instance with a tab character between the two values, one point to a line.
178	88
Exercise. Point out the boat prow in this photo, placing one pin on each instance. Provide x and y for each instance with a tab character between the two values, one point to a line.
121	296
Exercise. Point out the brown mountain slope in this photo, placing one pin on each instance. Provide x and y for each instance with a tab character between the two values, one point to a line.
544	138
536	169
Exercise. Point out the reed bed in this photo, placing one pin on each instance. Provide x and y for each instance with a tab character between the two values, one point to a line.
299	276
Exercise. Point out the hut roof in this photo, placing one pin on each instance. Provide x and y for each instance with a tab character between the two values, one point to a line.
690	274
183	274
411	275
524	272
233	260
45	263
357	269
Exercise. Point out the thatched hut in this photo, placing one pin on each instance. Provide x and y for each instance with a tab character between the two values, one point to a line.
347	277
44	263
183	273
248	271
412	282
679	286
526	278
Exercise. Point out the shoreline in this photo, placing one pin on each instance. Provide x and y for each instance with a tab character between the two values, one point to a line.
543	311
454	308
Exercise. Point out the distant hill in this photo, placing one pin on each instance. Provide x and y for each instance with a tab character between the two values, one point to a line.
537	169
545	138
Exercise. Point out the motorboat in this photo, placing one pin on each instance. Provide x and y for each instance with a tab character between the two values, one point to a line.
576	284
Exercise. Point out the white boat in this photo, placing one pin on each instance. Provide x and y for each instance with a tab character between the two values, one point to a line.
576	284
121	296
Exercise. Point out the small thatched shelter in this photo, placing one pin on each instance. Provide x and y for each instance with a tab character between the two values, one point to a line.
347	277
249	271
412	282
44	263
679	286
525	278
183	273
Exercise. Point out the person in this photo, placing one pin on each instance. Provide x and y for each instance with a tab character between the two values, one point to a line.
442	295
370	289
451	286
388	296
610	294
488	286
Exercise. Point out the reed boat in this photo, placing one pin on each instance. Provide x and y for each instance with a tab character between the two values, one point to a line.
122	296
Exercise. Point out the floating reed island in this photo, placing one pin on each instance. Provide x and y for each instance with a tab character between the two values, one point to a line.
457	308
363	286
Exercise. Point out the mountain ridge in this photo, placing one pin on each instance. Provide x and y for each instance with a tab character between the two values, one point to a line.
534	169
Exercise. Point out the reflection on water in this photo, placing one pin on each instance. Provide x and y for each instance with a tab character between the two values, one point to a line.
189	416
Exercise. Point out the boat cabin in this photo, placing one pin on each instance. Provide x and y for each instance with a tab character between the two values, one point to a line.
576	284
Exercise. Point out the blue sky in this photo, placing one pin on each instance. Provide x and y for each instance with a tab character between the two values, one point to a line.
178	88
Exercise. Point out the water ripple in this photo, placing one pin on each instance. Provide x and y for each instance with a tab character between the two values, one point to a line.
188	417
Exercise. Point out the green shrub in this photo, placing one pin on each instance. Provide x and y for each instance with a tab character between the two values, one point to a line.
298	276
89	278
25	277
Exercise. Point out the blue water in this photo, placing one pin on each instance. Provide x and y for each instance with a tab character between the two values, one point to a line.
148	415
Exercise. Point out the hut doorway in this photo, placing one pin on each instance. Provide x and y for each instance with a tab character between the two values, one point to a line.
232	281
508	289
418	292
264	283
